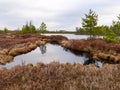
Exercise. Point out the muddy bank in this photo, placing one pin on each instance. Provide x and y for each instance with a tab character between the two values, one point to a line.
13	45
97	49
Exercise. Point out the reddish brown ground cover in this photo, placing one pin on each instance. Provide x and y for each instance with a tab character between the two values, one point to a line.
98	44
98	49
12	45
8	40
56	76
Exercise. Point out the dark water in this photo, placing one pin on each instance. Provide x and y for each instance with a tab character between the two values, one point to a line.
49	53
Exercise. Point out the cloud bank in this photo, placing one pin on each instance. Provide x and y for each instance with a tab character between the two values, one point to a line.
57	14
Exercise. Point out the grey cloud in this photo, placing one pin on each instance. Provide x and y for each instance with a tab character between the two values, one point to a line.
14	14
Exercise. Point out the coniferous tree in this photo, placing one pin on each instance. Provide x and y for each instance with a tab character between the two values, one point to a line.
111	37
6	30
116	26
43	27
25	28
32	28
28	28
90	22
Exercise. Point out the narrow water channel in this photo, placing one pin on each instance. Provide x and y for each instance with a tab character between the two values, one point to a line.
49	53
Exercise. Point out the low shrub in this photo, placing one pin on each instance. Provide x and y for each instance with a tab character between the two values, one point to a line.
56	76
111	37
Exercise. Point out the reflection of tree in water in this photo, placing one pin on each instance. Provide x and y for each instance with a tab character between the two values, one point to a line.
96	63
89	61
42	49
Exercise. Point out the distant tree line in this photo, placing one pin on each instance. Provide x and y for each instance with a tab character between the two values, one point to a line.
28	28
90	27
5	30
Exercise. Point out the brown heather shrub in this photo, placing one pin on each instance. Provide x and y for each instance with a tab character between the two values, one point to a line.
6	41
96	45
56	39
56	76
78	45
100	44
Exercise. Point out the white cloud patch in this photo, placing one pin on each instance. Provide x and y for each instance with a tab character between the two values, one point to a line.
57	14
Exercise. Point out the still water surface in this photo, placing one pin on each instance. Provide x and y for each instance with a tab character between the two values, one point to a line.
71	36
46	54
49	53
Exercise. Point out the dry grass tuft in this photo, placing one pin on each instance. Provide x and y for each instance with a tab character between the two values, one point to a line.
56	76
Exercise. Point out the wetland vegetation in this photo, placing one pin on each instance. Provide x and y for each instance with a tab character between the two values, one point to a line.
62	76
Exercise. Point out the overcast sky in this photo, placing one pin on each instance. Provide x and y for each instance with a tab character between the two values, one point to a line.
57	14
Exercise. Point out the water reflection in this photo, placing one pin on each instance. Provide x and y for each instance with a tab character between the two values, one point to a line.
43	49
49	53
85	61
91	61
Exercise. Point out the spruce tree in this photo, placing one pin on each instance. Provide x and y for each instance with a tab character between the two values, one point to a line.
116	26
43	27
90	22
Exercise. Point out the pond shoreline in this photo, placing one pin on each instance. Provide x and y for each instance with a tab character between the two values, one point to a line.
97	49
56	75
26	44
